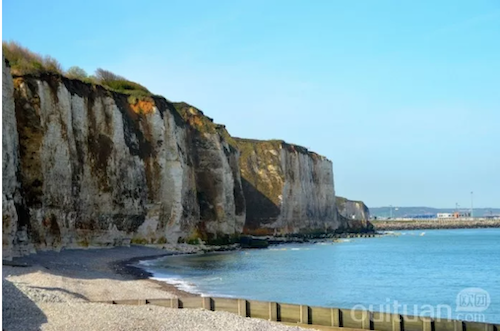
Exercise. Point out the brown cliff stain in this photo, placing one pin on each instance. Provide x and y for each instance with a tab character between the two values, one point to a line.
142	106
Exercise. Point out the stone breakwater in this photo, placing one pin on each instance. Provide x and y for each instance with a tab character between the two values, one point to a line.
86	166
434	224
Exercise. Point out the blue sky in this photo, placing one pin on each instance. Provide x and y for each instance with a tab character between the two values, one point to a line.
402	96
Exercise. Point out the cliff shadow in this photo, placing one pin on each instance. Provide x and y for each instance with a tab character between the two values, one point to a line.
260	210
18	311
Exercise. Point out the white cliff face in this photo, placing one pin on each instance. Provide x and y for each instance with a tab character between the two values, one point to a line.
92	171
308	202
10	166
287	188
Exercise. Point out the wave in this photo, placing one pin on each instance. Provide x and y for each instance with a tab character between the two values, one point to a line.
183	284
180	284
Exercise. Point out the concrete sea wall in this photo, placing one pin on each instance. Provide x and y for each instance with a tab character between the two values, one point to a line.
299	315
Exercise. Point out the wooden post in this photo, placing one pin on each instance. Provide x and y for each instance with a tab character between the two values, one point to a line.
397	323
427	324
273	311
366	321
207	303
304	314
335	317
458	325
242	307
491	327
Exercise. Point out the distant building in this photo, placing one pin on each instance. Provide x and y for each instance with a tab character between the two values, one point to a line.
457	214
422	216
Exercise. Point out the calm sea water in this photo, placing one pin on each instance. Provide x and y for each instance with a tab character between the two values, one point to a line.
418	272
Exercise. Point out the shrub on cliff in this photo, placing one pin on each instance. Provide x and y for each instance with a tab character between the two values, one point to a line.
25	62
119	83
76	73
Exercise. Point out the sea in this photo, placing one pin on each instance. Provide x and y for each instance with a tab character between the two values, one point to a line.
437	273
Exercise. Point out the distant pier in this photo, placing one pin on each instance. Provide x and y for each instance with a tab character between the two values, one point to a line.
418	224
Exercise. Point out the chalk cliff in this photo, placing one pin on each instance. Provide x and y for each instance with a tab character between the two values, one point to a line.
354	215
288	189
86	166
351	209
97	170
14	230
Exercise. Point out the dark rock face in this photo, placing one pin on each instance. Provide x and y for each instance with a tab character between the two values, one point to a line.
217	176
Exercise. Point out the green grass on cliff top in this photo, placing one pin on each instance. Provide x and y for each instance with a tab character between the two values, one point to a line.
22	62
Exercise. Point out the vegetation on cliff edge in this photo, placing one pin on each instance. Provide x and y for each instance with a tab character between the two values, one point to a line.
22	61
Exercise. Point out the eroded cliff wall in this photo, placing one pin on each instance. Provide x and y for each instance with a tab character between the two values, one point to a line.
350	209
12	229
86	166
287	188
354	215
97	170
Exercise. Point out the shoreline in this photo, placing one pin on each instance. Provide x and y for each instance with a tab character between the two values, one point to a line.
127	268
68	290
54	290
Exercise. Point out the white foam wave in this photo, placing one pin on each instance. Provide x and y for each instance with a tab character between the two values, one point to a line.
179	283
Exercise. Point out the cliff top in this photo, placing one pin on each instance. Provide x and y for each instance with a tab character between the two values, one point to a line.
278	144
343	200
27	64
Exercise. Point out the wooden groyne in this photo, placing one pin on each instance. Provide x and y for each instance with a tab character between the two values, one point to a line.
435	224
316	316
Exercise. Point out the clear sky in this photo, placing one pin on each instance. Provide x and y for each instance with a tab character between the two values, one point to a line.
402	96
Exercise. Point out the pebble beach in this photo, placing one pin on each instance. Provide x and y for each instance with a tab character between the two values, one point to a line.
58	290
